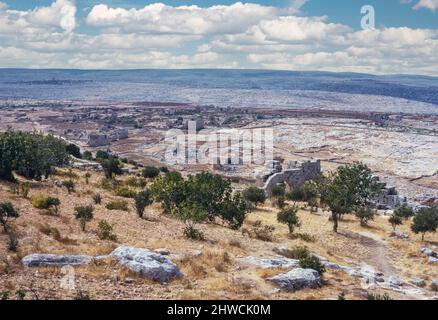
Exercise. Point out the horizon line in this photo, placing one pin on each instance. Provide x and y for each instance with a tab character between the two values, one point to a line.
222	69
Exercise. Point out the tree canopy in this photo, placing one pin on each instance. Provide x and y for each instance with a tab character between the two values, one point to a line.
347	189
32	155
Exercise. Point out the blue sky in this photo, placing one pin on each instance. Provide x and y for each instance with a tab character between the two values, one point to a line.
277	34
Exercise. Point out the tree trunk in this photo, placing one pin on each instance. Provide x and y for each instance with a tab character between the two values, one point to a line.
335	222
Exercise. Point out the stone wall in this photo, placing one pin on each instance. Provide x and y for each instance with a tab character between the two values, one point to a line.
295	176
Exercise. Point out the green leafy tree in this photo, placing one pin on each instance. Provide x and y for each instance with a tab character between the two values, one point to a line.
87	155
395	220
278	191
426	220
31	155
364	214
102	155
255	195
74	150
170	191
84	214
208	191
150	172
280	202
234	210
303	193
192	214
7	212
404	211
111	167
346	189
69	185
289	217
142	200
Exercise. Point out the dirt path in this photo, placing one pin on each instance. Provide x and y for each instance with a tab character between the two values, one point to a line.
377	252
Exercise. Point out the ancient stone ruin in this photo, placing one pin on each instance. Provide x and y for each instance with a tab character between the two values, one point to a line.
294	176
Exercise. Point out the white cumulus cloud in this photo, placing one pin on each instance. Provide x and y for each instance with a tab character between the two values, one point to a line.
427	4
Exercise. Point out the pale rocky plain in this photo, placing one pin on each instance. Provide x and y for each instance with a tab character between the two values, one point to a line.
151	258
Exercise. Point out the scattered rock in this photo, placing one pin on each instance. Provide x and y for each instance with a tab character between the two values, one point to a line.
394	282
268	263
395	234
370	275
297	279
418	282
429	252
433	260
282	250
162	251
54	260
434	285
147	263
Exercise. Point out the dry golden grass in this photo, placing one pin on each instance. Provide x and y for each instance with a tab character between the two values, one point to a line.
214	274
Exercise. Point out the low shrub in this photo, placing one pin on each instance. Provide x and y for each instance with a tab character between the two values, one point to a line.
105	231
84	214
312	262
260	231
46	202
118	205
12	241
125	192
50	231
69	185
81	296
376	296
296	253
97	198
193	233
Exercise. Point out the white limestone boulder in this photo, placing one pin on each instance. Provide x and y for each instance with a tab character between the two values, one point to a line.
146	263
297	279
54	260
269	263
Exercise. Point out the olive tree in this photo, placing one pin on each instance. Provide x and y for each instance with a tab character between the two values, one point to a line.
426	220
289	216
142	200
347	189
84	214
7	212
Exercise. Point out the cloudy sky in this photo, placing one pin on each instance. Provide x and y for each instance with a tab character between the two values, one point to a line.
279	34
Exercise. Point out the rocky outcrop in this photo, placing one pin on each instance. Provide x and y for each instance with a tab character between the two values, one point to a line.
297	279
146	263
433	260
394	282
398	235
432	255
418	282
370	275
429	252
268	263
54	260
